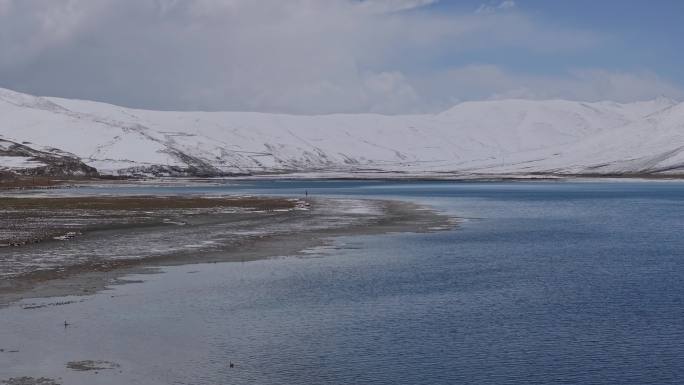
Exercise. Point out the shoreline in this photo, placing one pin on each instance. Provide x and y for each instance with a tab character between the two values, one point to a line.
57	183
291	238
35	219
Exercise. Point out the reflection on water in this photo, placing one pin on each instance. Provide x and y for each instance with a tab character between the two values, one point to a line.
545	283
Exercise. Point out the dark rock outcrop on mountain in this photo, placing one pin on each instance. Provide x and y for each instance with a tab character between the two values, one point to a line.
42	163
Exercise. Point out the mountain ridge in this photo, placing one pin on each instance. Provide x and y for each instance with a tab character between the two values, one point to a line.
498	137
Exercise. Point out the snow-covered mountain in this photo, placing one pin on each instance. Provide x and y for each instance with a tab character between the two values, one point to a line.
503	137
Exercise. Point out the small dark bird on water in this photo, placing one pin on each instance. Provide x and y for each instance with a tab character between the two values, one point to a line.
230	364
66	324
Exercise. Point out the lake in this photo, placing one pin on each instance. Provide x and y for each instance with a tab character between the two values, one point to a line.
541	283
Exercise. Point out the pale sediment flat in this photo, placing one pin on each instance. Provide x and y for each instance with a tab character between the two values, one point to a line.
79	245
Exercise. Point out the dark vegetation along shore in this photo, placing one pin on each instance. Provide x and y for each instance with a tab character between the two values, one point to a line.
9	181
12	181
37	219
58	246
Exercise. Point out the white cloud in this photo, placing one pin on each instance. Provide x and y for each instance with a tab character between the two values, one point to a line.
391	92
389	6
507	4
299	56
493	82
5	6
489	8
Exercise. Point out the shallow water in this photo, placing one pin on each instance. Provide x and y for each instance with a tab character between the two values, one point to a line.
543	283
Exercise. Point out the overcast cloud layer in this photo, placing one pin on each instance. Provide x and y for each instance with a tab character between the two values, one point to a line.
295	56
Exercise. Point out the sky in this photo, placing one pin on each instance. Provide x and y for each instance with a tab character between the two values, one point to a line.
341	56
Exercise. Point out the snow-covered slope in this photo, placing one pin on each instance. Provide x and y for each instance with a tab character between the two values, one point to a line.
490	137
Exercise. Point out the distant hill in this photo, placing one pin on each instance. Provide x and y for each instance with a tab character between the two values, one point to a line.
503	137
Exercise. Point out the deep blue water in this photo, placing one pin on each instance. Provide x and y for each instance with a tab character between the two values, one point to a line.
547	283
543	283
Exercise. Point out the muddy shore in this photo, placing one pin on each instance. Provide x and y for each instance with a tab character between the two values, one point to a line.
27	220
98	235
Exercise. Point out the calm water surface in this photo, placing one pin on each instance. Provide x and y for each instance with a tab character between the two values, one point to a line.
543	283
